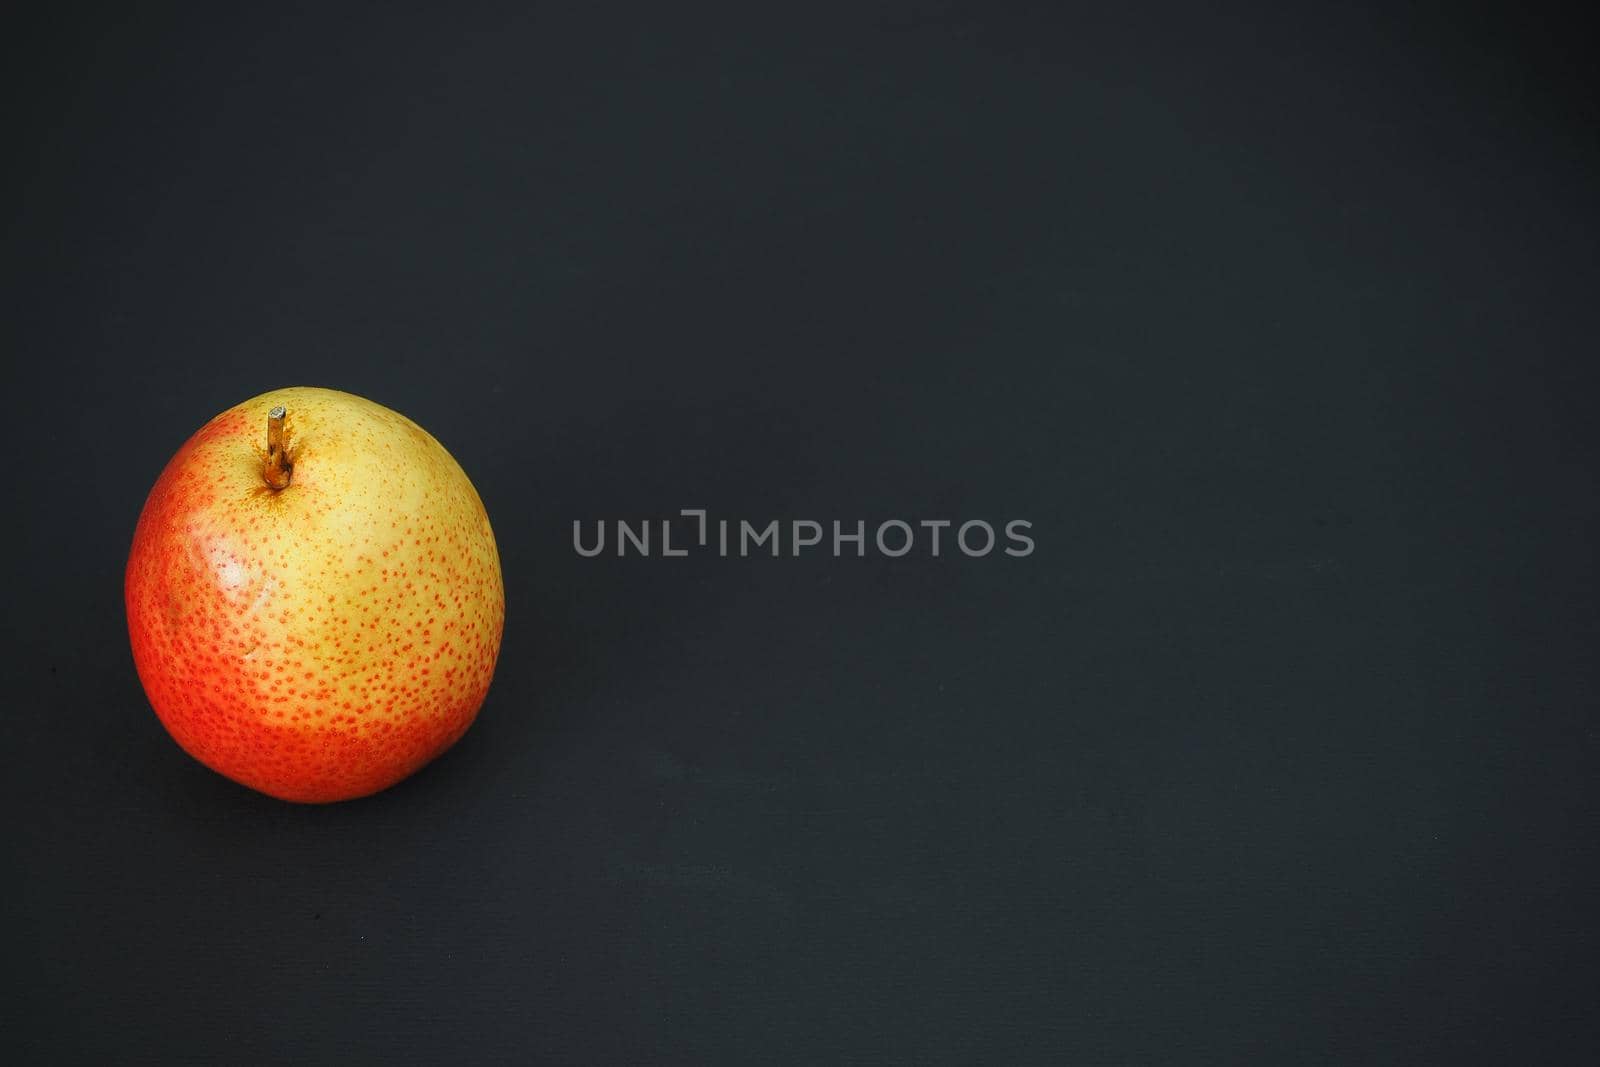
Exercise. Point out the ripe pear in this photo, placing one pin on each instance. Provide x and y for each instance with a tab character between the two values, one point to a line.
314	596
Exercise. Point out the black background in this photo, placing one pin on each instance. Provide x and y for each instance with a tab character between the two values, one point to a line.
1276	323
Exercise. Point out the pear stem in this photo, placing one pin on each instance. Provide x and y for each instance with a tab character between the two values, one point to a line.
278	467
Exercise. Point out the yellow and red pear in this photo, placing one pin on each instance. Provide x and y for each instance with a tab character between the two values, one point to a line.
314	596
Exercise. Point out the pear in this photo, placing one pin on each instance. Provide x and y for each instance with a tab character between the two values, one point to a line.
314	596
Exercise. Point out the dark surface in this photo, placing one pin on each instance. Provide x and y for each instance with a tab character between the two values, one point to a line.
1277	324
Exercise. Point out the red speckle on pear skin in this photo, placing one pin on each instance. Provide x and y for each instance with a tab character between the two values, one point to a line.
324	641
